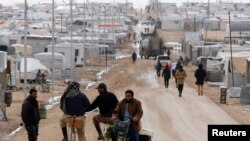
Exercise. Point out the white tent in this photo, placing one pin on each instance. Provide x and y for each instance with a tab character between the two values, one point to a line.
3	60
33	65
46	59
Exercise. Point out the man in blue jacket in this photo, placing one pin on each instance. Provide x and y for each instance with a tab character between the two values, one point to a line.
30	115
166	73
74	104
106	102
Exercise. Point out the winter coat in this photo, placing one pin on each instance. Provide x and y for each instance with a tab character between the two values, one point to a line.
134	56
166	73
168	52
30	111
77	104
180	76
106	102
134	109
200	75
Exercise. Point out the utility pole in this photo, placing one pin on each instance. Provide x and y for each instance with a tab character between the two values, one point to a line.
71	38
194	23
84	35
157	12
231	49
61	21
53	41
25	48
92	36
208	9
106	51
126	6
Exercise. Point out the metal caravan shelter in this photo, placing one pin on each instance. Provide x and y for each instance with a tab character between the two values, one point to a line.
79	53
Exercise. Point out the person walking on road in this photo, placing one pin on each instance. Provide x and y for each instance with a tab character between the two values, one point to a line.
129	35
106	102
180	76
74	104
130	109
134	56
166	73
134	35
168	52
158	68
174	72
200	75
30	115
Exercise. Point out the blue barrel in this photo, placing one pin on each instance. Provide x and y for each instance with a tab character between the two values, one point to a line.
42	111
8	98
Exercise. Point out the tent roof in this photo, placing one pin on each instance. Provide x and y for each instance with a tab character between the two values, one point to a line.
245	54
32	65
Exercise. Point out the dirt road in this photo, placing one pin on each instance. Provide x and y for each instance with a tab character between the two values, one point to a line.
167	115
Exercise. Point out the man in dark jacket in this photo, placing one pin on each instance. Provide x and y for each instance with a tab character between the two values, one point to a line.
74	104
166	73
134	56
106	102
158	68
200	75
168	52
30	115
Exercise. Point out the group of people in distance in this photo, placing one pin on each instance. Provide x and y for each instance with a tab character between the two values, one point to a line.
180	74
75	104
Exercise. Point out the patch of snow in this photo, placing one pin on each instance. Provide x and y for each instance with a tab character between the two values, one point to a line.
150	79
89	85
13	133
99	75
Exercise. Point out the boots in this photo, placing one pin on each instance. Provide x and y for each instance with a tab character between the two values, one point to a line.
180	93
65	134
98	129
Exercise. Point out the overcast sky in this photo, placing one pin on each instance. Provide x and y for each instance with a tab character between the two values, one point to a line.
137	3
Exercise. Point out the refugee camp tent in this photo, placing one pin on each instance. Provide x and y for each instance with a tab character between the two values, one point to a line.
59	62
33	65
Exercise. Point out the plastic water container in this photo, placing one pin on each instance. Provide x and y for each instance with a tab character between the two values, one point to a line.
42	111
8	98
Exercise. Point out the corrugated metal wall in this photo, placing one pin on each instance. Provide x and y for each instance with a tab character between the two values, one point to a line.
239	80
214	76
245	95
